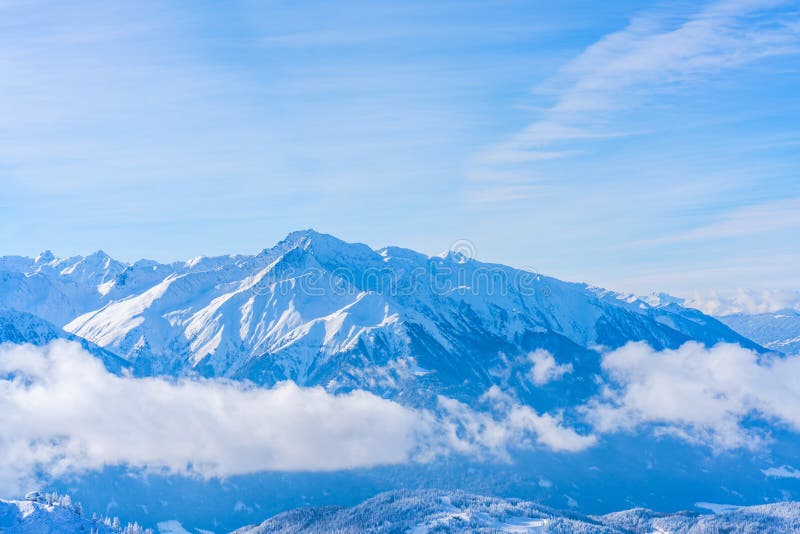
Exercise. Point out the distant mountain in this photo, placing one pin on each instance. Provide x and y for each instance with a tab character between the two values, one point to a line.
317	310
443	512
20	327
776	330
779	331
56	289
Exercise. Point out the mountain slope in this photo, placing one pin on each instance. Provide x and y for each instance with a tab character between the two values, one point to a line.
424	511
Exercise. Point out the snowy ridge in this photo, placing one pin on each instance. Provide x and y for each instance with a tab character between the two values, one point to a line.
428	511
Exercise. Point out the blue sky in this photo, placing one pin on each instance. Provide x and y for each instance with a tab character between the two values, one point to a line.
635	145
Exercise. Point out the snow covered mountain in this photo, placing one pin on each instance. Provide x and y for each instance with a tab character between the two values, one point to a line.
779	331
56	514
425	511
317	310
398	323
56	289
773	322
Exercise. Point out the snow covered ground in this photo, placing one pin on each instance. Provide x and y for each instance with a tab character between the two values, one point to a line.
431	511
56	514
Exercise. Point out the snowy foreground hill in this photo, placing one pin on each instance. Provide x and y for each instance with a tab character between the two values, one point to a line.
429	511
56	514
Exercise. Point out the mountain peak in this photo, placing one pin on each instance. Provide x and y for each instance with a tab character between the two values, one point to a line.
99	253
45	257
310	236
324	247
663	299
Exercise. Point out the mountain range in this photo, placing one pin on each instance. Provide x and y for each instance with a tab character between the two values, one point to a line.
320	311
778	331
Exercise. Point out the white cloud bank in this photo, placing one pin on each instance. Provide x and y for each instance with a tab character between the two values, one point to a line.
505	422
62	412
702	395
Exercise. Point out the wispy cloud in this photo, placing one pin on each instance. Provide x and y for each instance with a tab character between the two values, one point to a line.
784	471
747	221
361	35
696	274
502	192
657	53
